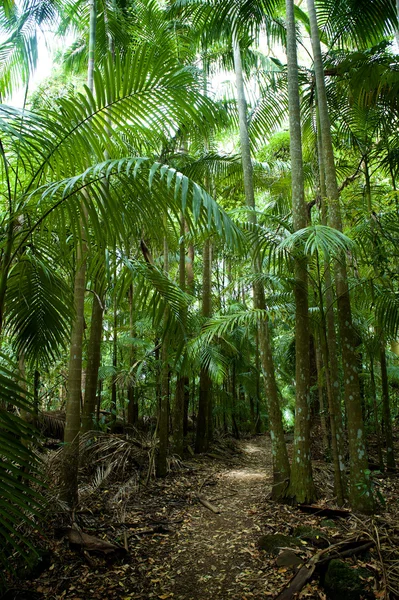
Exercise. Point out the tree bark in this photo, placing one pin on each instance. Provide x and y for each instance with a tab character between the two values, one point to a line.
301	488
386	409
70	464
322	404
163	409
178	409
93	364
204	403
329	347
360	490
377	428
133	406
69	488
281	466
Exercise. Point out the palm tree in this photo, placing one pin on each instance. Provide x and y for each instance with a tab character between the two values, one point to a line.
301	484
360	493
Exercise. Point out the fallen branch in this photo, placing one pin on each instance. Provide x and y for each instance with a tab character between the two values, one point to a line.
361	546
208	505
305	573
91	543
325	511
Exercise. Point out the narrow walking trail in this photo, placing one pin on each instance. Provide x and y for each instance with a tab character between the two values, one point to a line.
216	555
178	549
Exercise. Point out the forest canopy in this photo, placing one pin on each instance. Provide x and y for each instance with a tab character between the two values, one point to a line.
198	238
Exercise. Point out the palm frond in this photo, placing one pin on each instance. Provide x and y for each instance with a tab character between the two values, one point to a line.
19	468
318	238
39	308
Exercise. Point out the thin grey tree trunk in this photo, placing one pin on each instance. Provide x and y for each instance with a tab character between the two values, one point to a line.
281	466
93	364
132	407
204	409
360	490
322	403
377	428
330	350
163	408
178	409
301	488
386	408
70	463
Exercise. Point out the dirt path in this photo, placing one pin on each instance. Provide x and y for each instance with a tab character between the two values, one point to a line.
215	555
177	548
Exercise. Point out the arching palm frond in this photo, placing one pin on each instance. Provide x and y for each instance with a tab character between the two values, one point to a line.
39	309
318	238
387	312
146	189
357	22
19	467
139	100
209	357
19	23
155	286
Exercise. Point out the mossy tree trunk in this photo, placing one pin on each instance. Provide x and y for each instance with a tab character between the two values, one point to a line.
281	466
204	402
329	348
301	488
360	491
178	409
133	405
386	408
163	403
93	364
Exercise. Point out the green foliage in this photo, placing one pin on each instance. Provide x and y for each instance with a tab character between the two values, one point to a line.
39	310
20	503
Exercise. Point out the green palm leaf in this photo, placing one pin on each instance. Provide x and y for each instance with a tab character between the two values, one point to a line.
39	309
19	468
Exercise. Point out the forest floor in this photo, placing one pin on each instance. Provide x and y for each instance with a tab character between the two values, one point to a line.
179	549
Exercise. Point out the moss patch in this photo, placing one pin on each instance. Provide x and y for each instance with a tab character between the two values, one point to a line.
342	581
328	523
316	537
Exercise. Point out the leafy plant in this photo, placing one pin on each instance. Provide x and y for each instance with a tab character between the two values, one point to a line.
20	501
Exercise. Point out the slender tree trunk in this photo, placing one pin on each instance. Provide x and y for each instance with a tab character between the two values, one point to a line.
163	413
72	421
386	411
360	490
6	262
191	290
322	404
377	428
93	364
234	426
178	411
386	408
69	491
204	408
36	386
114	407
397	31
133	406
281	466
301	488
330	352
